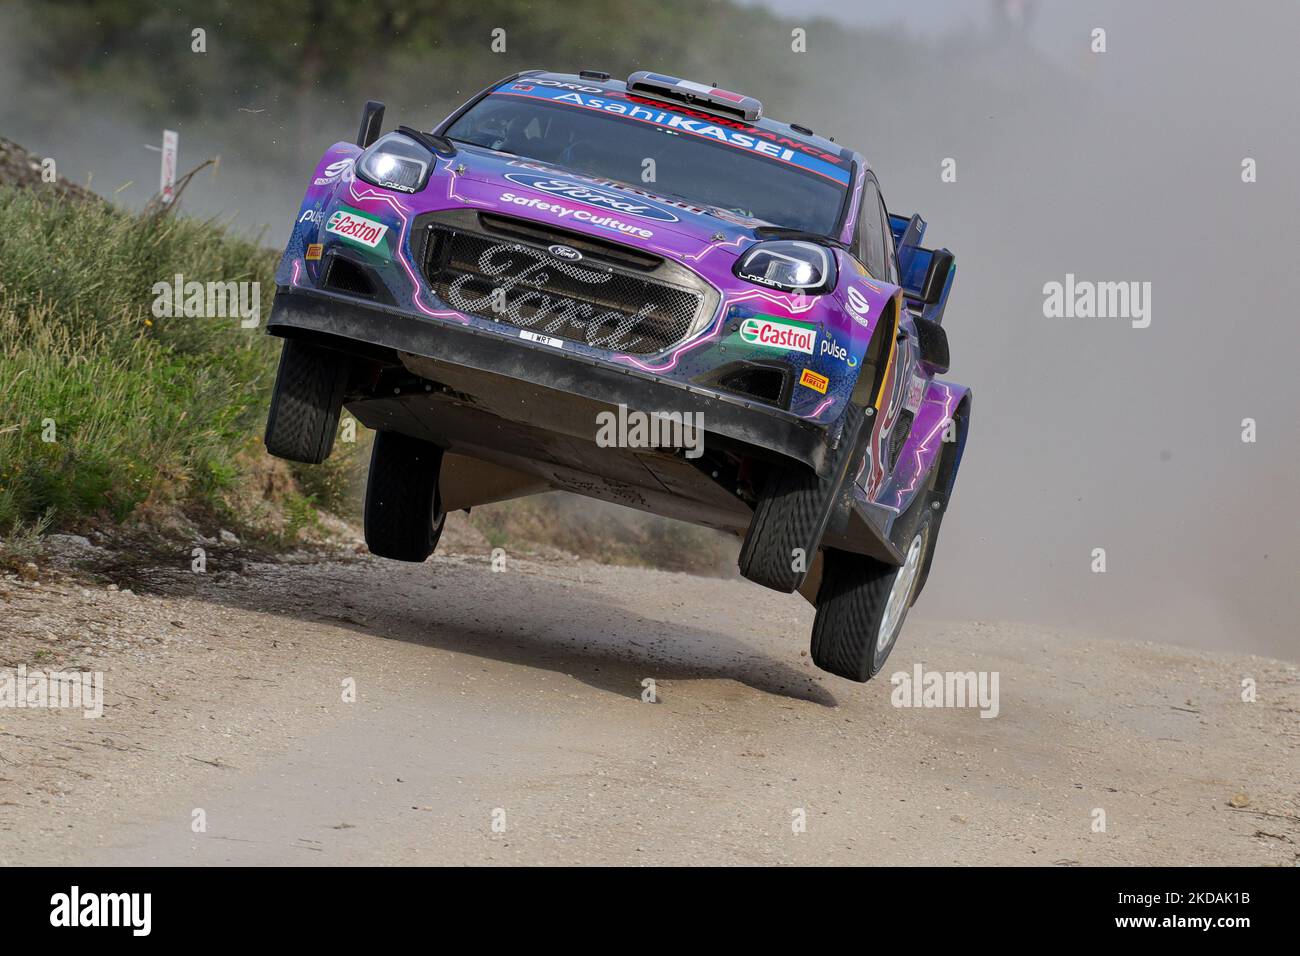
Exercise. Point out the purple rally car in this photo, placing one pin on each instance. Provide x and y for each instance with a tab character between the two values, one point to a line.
643	292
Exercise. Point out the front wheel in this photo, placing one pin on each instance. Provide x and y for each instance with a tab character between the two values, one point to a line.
786	530
862	603
306	402
404	517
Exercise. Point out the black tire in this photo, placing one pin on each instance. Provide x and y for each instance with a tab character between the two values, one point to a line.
306	401
403	518
790	514
851	604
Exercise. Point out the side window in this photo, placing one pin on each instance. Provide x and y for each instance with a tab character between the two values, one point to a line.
871	241
891	256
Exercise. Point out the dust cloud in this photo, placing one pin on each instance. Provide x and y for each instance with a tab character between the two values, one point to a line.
1089	433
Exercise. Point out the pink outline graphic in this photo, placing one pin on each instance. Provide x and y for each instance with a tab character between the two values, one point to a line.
405	234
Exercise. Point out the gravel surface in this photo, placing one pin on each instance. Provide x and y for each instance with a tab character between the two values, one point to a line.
499	718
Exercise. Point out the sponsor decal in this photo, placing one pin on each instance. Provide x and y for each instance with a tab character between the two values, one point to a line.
914	392
859	307
657	199
834	350
357	227
564	252
400	187
312	216
604	199
543	339
777	333
810	379
579	215
683	119
558	84
332	172
314	250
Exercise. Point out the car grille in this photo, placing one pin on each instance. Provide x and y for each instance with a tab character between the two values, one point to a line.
500	269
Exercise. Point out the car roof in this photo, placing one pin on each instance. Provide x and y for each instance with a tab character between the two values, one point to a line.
764	123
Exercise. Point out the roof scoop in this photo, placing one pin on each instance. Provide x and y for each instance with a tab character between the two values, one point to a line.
707	98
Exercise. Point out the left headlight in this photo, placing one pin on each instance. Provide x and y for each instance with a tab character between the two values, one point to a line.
395	162
790	264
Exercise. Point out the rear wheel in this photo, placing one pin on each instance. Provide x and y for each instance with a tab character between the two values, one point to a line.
862	604
305	402
403	518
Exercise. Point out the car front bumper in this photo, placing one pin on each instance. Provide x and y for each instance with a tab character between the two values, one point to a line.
561	386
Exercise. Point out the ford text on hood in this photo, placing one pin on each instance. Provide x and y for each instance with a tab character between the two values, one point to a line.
644	292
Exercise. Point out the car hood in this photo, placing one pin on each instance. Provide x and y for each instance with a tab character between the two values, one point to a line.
552	194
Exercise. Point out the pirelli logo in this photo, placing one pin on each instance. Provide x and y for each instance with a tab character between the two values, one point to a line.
818	383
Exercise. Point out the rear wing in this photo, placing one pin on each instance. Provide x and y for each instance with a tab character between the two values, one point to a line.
926	274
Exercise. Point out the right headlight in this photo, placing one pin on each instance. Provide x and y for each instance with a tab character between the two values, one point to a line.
396	162
790	264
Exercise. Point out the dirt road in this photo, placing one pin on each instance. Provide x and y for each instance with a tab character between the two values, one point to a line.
498	718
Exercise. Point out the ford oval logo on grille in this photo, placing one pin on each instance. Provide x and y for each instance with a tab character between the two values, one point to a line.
564	252
605	199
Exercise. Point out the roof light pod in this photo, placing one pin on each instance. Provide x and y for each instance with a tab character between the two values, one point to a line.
711	99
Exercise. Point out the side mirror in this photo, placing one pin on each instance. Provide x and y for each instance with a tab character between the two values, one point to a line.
371	118
936	276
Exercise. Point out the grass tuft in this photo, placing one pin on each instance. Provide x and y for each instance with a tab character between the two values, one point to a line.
104	406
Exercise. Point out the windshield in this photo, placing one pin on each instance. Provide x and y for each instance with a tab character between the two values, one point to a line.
660	150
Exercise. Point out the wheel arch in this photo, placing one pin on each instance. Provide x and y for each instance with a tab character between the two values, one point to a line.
879	356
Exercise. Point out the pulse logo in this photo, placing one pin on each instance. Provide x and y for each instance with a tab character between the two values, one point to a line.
835	350
591	196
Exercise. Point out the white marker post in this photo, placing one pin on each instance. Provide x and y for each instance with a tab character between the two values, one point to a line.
167	180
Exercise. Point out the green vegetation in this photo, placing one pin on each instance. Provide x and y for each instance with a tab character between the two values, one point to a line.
107	410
